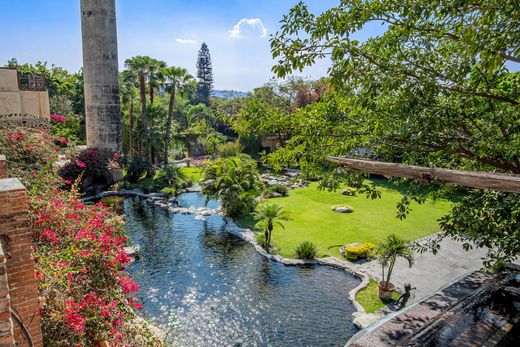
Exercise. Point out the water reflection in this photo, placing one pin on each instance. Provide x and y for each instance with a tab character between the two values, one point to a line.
208	288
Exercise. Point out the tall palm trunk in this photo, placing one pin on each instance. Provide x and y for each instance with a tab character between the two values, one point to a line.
130	135
144	115
152	94
167	137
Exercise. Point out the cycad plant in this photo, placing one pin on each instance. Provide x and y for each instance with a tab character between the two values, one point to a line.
267	216
387	253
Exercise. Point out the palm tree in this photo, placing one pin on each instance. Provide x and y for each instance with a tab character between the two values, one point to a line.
177	78
387	253
139	66
155	75
267	217
128	88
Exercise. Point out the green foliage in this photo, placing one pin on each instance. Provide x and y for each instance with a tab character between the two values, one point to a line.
359	252
69	129
388	252
276	188
229	149
305	250
370	300
235	182
171	177
137	167
434	90
267	216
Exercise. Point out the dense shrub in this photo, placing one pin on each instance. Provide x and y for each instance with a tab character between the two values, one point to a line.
229	149
359	252
31	155
235	182
170	178
67	127
136	168
78	254
305	250
276	188
92	162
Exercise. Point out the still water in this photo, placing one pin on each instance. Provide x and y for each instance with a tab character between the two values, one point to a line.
205	287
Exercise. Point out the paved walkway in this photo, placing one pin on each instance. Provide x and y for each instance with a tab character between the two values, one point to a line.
430	272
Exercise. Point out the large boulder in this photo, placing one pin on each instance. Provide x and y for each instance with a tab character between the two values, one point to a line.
347	192
342	209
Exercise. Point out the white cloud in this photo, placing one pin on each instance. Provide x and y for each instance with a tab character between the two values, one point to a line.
249	28
185	41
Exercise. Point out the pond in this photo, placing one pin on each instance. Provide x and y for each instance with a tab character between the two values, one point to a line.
205	287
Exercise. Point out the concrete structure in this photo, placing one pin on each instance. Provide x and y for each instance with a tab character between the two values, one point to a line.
17	100
19	303
103	116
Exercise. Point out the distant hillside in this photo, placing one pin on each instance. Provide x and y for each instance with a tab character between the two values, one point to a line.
228	94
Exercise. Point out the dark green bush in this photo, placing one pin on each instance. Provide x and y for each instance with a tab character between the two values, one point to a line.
276	188
92	162
169	176
305	250
136	168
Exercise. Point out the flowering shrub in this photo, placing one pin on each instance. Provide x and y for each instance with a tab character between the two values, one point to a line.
93	162
31	154
79	255
359	252
56	118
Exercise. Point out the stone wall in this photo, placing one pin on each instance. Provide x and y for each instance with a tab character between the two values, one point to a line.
18	290
15	101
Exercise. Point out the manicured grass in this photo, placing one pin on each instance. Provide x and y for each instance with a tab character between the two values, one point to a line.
193	173
372	220
369	298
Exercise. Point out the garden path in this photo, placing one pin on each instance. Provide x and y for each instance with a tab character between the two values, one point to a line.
430	272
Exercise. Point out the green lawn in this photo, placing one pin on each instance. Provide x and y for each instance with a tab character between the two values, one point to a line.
193	173
369	298
371	221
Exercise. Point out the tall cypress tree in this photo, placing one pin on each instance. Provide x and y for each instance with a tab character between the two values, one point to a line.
204	75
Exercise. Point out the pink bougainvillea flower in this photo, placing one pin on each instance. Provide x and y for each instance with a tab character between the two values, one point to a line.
81	164
69	182
116	155
58	118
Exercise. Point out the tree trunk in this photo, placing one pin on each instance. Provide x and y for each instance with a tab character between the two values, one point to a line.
130	133
151	94
167	137
144	117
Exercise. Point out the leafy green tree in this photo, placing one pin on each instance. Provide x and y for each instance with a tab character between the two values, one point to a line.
204	75
235	182
178	79
267	216
433	89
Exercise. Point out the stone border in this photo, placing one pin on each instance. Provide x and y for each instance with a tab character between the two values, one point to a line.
248	236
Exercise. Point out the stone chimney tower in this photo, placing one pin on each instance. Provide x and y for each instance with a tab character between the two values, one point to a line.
101	75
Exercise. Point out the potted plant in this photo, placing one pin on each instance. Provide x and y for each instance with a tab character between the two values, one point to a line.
387	253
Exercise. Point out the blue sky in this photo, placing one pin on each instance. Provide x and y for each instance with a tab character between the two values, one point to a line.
236	31
171	30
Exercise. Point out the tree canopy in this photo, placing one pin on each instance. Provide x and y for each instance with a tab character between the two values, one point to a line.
432	89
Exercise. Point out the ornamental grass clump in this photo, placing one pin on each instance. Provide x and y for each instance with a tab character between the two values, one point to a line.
305	250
